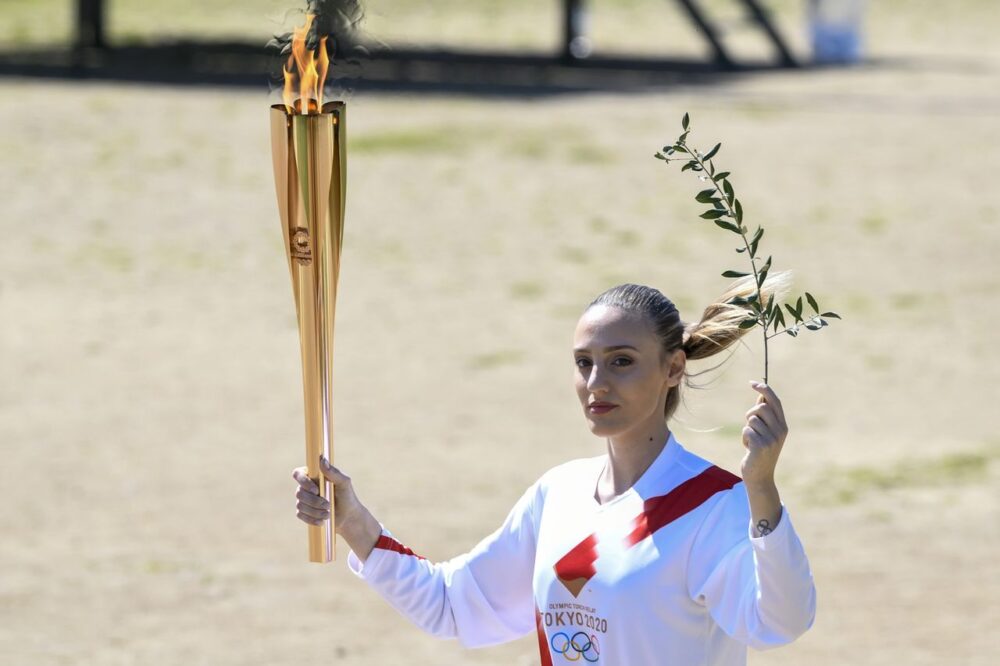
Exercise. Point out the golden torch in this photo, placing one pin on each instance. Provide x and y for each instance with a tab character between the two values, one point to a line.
310	163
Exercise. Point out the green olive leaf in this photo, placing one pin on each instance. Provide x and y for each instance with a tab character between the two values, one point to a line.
812	302
755	241
779	318
706	196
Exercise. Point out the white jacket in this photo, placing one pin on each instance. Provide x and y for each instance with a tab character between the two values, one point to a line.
666	573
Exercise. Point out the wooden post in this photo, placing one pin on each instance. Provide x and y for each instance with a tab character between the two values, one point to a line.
576	44
759	15
90	24
708	31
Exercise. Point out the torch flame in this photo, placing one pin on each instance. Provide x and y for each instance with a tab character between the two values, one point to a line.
309	70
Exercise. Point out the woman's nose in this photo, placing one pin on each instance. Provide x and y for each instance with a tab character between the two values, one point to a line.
595	382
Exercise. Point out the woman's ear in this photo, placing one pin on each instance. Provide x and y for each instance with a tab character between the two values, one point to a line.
675	370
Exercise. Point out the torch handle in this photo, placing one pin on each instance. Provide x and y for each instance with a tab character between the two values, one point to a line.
318	407
322	538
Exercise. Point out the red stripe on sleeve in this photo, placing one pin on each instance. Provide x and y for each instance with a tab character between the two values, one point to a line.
660	511
388	543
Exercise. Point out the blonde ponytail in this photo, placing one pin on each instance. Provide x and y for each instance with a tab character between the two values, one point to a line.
719	326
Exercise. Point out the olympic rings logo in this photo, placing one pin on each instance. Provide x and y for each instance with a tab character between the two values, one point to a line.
581	644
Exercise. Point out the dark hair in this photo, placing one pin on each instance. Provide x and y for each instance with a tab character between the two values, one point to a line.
717	330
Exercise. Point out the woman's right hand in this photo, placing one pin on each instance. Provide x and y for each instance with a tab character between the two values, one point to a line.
352	520
315	510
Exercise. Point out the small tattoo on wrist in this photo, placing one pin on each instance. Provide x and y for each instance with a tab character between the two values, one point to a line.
763	528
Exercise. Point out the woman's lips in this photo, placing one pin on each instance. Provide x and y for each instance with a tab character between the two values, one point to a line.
600	407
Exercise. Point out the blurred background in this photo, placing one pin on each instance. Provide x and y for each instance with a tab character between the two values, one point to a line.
150	381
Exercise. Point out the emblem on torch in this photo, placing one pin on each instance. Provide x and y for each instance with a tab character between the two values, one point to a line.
308	148
300	246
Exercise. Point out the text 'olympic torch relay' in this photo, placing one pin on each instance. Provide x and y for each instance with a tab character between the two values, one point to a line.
308	144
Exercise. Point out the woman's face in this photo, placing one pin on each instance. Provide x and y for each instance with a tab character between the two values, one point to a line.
621	378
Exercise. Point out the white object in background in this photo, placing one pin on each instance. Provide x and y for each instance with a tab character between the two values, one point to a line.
835	30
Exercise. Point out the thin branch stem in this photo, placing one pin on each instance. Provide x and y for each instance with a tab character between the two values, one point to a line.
761	316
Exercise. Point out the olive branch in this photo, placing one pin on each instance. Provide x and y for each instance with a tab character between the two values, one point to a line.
727	212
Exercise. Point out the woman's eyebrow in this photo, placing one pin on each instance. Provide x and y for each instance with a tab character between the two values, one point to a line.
608	349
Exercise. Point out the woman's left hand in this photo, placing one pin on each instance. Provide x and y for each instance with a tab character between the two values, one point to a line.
763	436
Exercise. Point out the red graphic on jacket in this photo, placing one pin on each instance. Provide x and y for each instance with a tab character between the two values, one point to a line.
578	566
660	511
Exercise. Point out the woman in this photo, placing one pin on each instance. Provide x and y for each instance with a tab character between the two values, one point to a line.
646	555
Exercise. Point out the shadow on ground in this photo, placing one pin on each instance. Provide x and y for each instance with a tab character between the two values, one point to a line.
397	70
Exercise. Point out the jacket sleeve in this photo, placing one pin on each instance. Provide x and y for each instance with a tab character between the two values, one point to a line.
759	590
482	598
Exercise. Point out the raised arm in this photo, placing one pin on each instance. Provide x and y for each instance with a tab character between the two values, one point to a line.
747	564
763	437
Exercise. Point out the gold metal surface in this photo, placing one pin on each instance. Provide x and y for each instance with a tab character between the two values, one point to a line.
310	168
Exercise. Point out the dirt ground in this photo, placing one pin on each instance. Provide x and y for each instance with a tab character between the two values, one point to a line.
150	391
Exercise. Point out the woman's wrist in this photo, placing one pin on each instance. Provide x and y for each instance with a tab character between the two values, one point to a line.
765	506
361	531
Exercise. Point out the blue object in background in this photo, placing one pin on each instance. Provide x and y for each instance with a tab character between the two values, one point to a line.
835	30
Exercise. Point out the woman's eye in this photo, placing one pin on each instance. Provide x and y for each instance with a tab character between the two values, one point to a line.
582	362
622	361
